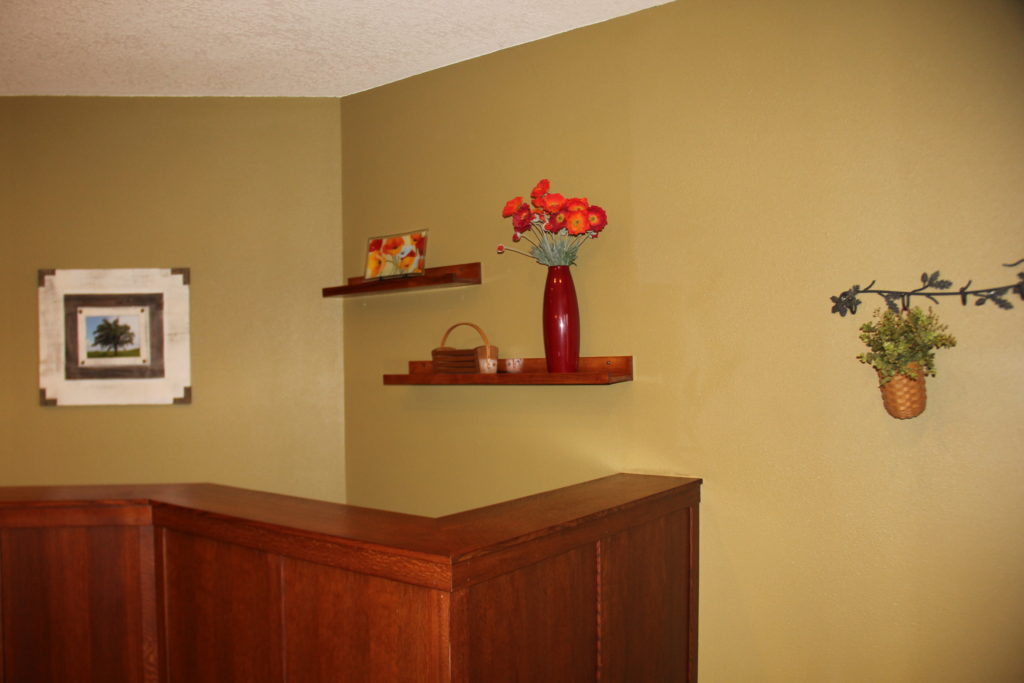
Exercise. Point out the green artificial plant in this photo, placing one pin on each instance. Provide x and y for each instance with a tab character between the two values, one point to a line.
897	339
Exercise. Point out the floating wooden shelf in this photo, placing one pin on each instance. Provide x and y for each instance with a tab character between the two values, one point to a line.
593	370
445	276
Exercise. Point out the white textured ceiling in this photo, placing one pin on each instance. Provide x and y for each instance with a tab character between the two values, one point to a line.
300	48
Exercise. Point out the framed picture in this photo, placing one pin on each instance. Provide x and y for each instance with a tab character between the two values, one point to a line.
114	337
396	255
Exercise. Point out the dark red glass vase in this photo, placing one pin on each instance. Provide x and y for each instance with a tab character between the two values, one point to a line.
561	321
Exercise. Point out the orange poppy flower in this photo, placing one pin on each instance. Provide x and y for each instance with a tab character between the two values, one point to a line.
577	204
511	206
576	222
541	188
393	245
407	258
552	203
374	264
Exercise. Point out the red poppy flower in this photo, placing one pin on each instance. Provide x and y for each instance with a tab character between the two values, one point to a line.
541	188
552	203
501	248
577	204
557	221
393	245
597	218
576	222
511	206
521	218
375	245
420	240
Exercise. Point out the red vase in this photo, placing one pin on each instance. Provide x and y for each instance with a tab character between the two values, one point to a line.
561	321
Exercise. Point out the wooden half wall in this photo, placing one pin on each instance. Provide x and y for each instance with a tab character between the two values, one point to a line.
202	583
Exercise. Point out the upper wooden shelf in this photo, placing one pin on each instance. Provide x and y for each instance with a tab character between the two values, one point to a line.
593	370
445	276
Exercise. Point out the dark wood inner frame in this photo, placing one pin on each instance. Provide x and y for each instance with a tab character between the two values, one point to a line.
153	369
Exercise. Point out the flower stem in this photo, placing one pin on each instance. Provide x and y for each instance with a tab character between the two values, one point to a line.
517	251
527	236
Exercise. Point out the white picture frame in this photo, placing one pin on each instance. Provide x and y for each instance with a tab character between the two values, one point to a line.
114	337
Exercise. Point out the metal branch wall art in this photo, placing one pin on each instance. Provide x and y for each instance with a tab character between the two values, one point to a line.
932	286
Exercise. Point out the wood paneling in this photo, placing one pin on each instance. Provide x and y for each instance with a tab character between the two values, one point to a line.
397	562
645	602
72	606
65	516
371	628
222	607
534	624
203	583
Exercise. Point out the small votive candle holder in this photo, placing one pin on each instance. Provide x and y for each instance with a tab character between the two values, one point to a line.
513	365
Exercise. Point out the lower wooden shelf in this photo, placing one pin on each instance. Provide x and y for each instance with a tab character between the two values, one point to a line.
593	370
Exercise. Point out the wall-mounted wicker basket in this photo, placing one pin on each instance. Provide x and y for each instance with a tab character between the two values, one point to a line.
904	397
447	360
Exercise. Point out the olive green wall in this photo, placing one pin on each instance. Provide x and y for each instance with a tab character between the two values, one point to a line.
755	158
246	193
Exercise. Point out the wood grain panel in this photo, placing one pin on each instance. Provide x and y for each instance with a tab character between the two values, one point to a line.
222	611
645	602
72	606
433	571
205	583
370	628
520	532
537	623
92	515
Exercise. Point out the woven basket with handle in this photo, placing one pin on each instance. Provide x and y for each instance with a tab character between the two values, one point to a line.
904	397
448	360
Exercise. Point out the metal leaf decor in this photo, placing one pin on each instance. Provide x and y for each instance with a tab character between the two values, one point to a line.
932	287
